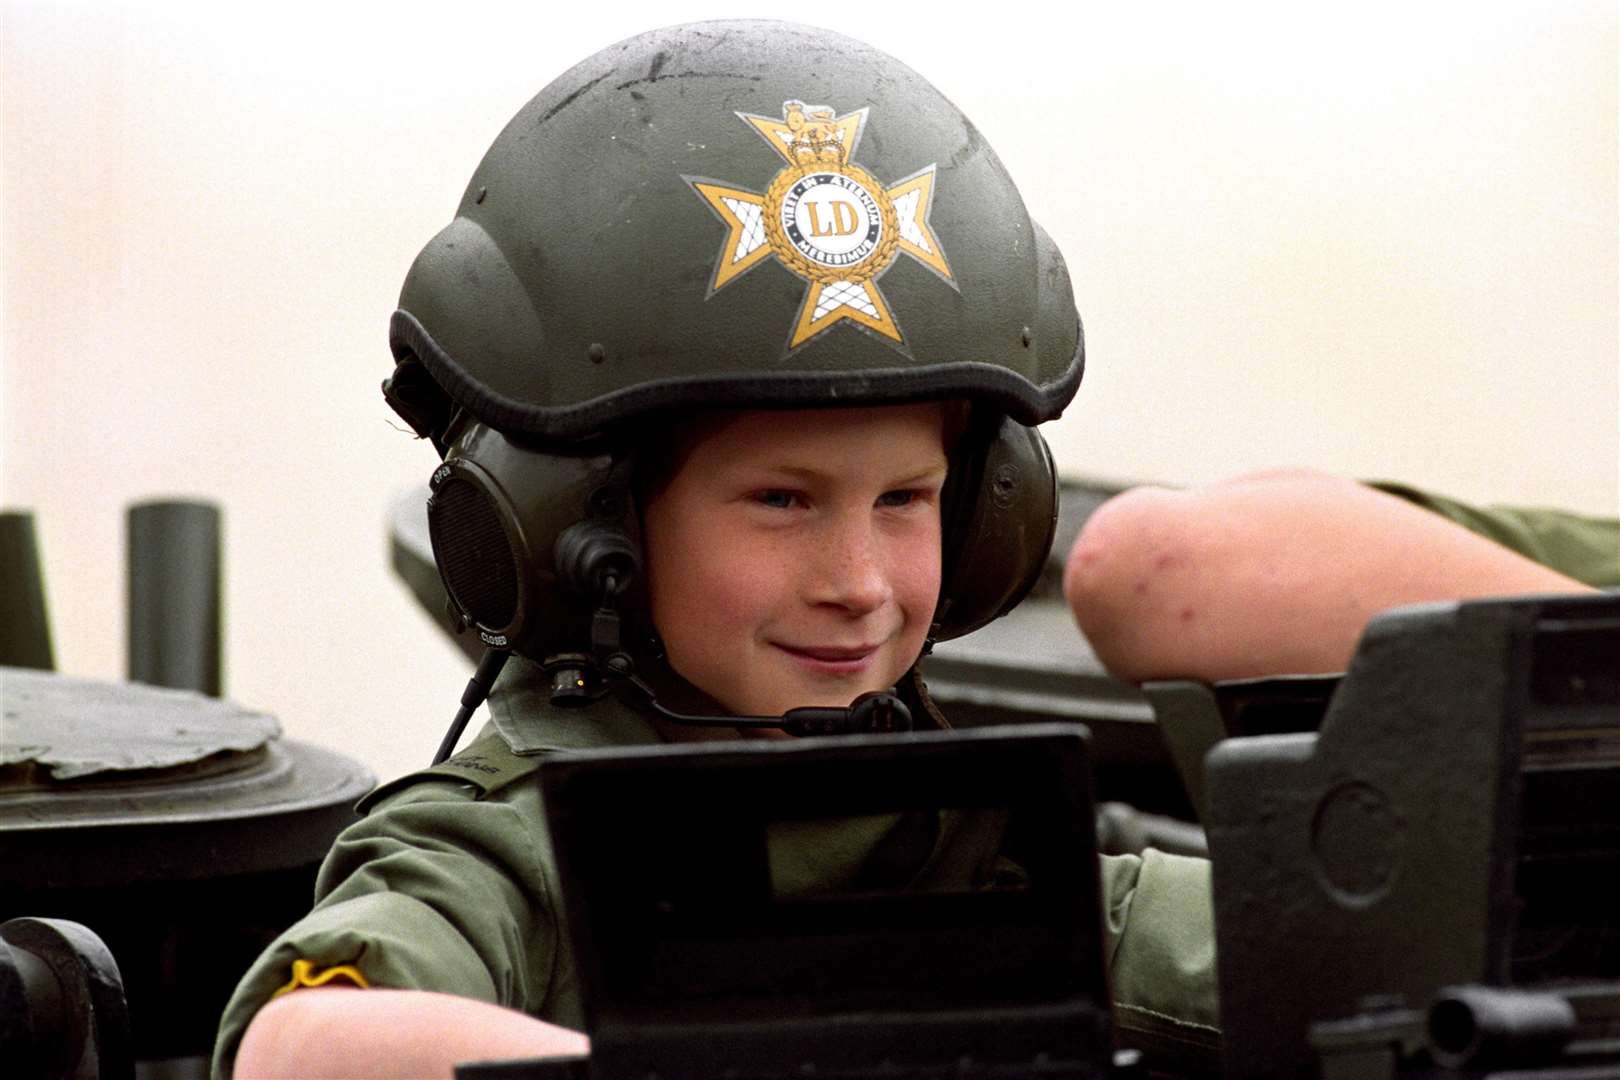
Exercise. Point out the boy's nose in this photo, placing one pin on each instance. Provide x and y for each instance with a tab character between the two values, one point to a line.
850	568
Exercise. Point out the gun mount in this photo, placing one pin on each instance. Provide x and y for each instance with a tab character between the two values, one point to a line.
1453	822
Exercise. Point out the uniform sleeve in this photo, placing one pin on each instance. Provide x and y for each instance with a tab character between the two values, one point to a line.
1160	925
435	889
1577	546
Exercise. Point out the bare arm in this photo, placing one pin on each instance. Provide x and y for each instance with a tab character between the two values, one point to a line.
1269	574
344	1031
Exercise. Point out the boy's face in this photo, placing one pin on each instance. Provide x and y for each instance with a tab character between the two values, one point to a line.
794	557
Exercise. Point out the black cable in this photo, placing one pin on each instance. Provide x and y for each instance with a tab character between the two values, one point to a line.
478	688
872	712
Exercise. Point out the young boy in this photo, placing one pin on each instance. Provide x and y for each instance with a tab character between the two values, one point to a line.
680	482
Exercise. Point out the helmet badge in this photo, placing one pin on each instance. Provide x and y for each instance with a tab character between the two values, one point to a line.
827	220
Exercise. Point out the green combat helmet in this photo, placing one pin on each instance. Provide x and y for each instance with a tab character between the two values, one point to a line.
743	214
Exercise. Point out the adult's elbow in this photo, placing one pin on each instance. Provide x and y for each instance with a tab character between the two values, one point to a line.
1117	576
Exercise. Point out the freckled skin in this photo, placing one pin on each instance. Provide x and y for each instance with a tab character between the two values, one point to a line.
794	558
1275	573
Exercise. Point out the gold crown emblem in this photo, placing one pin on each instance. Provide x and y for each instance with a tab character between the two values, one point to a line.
827	220
816	135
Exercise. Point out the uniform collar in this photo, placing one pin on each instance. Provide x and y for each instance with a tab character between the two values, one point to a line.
520	708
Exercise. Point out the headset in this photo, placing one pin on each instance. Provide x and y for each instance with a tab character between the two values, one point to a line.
539	549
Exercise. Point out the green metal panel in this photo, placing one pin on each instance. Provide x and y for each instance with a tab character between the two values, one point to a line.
25	629
174	595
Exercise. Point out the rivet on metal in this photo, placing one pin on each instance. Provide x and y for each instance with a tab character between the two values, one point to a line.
596	353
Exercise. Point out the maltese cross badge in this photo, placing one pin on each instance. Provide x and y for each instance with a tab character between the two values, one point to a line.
827	220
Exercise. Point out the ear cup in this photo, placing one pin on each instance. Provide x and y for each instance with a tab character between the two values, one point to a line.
1000	530
497	511
471	529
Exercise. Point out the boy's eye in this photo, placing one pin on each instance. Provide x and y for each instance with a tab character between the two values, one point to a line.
775	499
898	498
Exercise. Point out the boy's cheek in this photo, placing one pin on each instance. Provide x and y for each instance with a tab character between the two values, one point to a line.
919	567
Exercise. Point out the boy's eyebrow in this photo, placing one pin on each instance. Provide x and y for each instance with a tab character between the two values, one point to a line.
929	472
811	472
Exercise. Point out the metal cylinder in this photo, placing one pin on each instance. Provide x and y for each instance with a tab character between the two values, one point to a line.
1122	829
1491	1027
174	595
25	628
62	998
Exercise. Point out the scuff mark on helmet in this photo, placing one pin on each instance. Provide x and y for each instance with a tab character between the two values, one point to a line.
974	143
688	75
570	99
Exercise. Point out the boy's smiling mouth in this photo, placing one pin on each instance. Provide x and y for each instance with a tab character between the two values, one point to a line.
831	659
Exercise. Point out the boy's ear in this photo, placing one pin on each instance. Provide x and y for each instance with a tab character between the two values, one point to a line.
1000	517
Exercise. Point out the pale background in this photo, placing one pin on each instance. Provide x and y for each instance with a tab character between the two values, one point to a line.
1375	239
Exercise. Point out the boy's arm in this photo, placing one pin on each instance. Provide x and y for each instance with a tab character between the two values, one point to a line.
1272	574
436	889
344	1031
